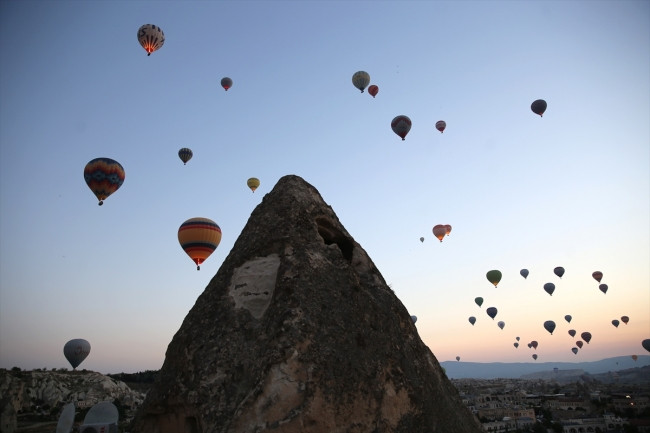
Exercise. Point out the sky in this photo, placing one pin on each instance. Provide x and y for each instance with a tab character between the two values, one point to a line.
570	189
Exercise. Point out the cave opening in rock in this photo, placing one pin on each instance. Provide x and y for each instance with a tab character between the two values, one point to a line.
331	235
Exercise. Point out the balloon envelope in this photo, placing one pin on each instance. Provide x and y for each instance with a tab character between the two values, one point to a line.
501	324
472	320
66	419
441	125
494	276
458	358
603	288
646	344
586	336
524	273
253	183
579	344
421	239
373	90
448	228
515	344
634	357
360	79
414	318
535	356
185	155
103	176
492	312
439	231
549	288
534	344
401	125
574	350
625	319
549	325
151	38
559	271
615	323
572	332
568	318
75	351
199	237
538	106
597	276
226	83
479	301
517	338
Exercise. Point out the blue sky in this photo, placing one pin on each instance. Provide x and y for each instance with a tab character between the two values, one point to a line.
570	189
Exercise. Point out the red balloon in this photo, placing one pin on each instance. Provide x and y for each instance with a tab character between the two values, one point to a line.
373	90
441	125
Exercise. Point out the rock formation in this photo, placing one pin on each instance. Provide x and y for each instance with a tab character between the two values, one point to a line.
299	333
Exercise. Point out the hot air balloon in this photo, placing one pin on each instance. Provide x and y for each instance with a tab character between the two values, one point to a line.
441	125
634	357
568	318
501	324
646	344
538	106
572	332
373	90
603	288
559	271
401	125
104	176
76	351
199	237
549	288
494	276
185	155
549	325
515	344
574	350
360	80
253	183
448	228
479	301
579	344
458	358
439	231
472	320
615	323
534	344
586	336
597	276
492	312
625	319
151	38
414	318
226	83
535	356
517	338
524	273
421	239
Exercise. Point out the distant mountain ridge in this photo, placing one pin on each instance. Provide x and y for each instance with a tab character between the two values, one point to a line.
515	370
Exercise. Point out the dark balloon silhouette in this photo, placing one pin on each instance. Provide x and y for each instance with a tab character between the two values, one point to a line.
549	325
603	288
559	271
492	312
549	288
185	155
524	273
472	320
373	90
597	276
586	336
568	318
572	332
494	276
75	351
226	83
401	125
538	107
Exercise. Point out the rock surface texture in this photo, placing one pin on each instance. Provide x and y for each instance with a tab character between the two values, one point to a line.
299	333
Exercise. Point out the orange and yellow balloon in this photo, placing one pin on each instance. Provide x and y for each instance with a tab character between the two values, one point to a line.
199	237
103	176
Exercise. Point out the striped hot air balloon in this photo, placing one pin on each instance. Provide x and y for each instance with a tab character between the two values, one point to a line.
401	125
199	237
185	154
360	80
441	125
103	176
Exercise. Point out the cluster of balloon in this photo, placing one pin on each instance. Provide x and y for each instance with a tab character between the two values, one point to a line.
533	344
401	125
373	90
441	125
185	154
253	183
549	288
103	176
441	230
360	80
199	237
151	38
494	276
75	351
538	106
524	273
549	325
226	83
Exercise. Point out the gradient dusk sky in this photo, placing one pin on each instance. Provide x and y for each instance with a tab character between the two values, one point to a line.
571	188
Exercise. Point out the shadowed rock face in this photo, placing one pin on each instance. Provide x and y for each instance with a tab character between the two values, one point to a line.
298	332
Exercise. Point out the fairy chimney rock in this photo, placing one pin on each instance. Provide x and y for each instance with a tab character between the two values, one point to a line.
299	333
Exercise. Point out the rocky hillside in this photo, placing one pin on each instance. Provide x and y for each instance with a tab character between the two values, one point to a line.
32	400
298	332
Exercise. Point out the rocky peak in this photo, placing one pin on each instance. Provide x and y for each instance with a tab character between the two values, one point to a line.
299	332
